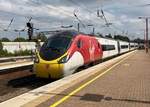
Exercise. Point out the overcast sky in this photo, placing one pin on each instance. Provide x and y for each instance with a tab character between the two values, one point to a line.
51	14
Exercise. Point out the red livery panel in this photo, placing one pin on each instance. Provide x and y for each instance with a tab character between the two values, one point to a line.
88	46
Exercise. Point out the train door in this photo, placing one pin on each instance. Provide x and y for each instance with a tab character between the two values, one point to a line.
83	47
90	50
98	50
118	44
130	46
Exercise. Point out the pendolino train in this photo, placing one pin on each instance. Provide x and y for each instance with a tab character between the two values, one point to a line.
64	52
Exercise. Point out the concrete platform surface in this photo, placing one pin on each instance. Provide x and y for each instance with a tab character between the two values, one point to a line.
127	84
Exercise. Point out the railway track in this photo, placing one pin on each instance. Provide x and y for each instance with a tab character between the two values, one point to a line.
18	82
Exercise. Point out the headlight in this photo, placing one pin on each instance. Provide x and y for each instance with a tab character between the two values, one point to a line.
63	59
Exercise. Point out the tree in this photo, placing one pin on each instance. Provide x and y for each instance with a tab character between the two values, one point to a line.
123	38
108	36
99	34
138	40
20	39
41	36
5	40
1	46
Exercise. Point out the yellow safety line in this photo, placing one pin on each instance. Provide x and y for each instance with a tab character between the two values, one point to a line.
84	85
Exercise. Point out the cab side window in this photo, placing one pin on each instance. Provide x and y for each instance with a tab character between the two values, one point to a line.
79	43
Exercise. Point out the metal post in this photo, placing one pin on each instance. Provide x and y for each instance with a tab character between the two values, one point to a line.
78	27
93	30
146	33
18	38
146	42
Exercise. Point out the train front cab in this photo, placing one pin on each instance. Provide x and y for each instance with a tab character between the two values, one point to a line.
49	69
82	50
52	55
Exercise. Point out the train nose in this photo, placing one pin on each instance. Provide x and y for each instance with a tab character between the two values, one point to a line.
48	70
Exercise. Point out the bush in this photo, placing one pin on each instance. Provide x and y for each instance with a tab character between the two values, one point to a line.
5	53
1	46
5	40
22	52
20	39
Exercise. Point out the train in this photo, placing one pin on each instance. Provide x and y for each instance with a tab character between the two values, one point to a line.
66	51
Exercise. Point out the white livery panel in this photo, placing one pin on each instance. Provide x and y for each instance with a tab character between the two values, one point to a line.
132	46
124	46
73	63
110	47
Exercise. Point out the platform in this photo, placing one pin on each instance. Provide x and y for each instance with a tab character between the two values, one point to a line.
127	84
119	82
10	65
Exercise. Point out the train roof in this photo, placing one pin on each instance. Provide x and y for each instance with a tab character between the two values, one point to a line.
73	33
64	33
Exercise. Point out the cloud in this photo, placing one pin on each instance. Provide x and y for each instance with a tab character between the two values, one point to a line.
5	5
48	14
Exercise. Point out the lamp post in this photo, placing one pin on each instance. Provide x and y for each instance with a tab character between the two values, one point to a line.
93	29
78	26
146	33
19	31
16	30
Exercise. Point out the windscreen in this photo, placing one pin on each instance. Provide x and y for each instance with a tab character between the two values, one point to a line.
56	46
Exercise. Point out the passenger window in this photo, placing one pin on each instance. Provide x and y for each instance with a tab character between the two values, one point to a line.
108	47
79	44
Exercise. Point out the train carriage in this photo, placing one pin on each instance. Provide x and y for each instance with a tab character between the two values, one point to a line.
124	46
64	52
132	46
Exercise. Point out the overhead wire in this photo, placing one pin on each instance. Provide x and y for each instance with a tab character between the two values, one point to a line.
86	9
64	12
10	23
79	4
58	9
